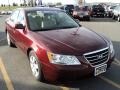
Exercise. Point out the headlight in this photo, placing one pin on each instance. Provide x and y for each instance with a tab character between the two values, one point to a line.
62	59
111	47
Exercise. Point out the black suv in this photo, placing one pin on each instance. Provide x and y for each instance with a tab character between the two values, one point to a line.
68	8
97	10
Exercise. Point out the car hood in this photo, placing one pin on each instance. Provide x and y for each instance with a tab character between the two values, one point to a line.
75	41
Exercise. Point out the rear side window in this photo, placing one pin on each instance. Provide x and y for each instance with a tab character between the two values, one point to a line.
21	18
119	9
14	16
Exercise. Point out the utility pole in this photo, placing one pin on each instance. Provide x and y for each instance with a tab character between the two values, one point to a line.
24	2
9	4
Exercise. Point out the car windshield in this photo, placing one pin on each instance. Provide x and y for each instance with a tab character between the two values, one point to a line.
49	20
97	6
112	7
69	7
85	8
77	8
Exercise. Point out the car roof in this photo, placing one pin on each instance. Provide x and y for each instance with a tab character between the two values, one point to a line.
39	8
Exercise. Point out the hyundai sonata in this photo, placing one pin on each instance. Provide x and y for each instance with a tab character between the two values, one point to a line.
57	46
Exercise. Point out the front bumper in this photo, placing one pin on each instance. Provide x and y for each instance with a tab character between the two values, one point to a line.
72	72
98	13
82	17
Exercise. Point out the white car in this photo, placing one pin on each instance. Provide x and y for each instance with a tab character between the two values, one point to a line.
9	12
116	13
3	12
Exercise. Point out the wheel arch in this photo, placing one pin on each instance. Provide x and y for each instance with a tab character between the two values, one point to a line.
28	51
6	31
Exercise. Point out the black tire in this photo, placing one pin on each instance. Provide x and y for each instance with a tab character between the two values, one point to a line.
40	76
103	16
9	42
118	19
88	18
113	17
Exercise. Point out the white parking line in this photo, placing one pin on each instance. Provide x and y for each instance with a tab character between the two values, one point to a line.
117	61
110	81
6	76
65	88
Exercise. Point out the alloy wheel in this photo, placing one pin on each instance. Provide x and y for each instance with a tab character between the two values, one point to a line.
34	66
8	39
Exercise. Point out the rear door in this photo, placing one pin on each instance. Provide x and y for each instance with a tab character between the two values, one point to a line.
10	25
22	34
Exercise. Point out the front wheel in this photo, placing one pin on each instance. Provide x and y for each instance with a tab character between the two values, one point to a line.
35	66
10	44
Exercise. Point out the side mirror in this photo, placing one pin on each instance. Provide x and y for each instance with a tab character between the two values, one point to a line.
19	26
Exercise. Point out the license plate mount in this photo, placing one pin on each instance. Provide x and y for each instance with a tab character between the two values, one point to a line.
100	69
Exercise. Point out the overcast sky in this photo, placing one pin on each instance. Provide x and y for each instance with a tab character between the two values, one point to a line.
63	1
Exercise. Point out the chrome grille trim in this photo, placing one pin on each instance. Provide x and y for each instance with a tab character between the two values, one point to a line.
93	57
96	59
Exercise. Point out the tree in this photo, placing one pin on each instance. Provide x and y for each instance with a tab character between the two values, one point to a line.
15	4
2	5
25	4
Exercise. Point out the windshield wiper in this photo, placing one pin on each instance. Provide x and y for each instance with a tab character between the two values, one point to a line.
66	27
45	29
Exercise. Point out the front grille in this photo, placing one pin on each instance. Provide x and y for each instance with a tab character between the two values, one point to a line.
97	57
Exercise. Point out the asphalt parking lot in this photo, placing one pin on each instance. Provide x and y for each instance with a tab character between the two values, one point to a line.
15	73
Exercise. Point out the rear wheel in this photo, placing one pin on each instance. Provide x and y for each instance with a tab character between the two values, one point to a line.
10	44
118	18
88	18
35	66
113	17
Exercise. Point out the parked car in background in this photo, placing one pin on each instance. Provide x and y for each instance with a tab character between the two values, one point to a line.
110	11
116	13
3	12
81	13
68	8
57	46
97	10
9	12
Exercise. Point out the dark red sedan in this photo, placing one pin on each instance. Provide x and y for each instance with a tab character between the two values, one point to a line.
57	46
